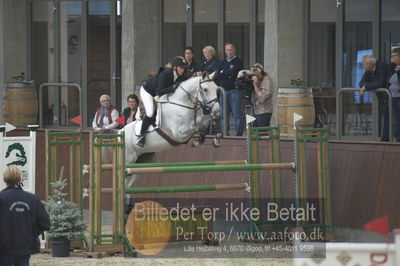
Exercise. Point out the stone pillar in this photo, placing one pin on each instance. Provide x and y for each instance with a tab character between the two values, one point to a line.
127	46
290	40
271	42
284	42
15	38
140	43
13	42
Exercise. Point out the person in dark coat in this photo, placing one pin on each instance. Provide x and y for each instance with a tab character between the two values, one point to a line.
226	77
164	82
393	85
192	67
211	63
22	219
374	77
132	112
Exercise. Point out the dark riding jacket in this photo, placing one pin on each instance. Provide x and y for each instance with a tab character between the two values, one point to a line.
163	83
210	66
227	73
22	219
375	79
191	68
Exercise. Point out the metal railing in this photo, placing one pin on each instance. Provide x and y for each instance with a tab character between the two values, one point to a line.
224	111
56	113
375	113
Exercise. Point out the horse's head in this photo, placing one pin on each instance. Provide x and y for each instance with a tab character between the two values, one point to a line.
208	96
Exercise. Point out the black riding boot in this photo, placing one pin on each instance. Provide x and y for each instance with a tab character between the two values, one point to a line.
145	125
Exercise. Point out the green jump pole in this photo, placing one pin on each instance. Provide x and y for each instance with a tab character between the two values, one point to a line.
138	190
143	165
210	168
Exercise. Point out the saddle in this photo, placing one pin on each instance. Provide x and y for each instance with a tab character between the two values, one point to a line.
155	127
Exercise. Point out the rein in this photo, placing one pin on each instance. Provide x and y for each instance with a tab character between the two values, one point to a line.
204	103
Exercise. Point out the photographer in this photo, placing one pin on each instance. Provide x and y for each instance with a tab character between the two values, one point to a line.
261	93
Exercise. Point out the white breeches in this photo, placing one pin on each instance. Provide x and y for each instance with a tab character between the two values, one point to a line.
148	102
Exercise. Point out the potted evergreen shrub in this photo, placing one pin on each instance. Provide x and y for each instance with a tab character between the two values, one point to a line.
65	219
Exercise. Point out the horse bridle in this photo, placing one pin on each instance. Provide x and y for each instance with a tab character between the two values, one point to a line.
205	104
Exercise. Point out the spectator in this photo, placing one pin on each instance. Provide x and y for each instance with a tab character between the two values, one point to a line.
374	77
106	115
192	67
132	112
226	77
165	82
211	63
22	219
261	96
393	84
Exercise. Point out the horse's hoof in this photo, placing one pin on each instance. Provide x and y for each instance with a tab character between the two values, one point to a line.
216	143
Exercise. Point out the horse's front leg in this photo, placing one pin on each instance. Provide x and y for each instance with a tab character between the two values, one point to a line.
218	134
189	132
195	133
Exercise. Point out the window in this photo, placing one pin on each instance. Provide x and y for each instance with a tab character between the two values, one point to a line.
260	32
357	41
174	29
205	27
321	60
390	28
237	28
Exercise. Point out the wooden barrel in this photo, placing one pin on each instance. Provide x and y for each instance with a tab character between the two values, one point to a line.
294	100
20	104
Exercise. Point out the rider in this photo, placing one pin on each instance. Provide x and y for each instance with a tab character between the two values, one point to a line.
165	82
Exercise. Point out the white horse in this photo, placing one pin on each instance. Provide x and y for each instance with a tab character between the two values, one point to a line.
180	115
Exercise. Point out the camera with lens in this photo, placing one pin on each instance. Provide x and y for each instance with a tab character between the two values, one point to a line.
245	83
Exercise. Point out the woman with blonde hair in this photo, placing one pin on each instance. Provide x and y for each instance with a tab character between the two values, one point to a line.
22	219
210	63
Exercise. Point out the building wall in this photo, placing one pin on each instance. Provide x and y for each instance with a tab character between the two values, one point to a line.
141	40
13	42
284	42
140	43
283	53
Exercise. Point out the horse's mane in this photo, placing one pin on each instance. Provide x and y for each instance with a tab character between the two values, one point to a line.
191	79
198	78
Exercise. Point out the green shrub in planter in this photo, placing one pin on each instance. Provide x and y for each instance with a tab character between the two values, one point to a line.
65	219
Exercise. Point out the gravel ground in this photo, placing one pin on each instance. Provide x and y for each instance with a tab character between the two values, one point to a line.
172	255
177	253
48	260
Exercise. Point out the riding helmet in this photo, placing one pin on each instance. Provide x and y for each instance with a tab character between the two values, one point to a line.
179	61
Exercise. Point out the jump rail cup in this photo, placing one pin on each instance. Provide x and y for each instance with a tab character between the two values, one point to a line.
211	168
